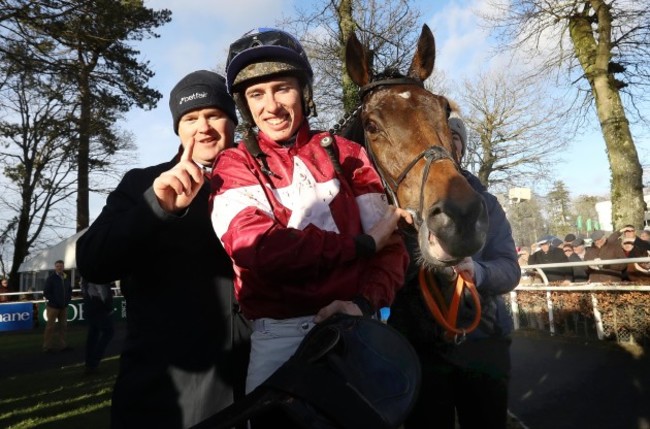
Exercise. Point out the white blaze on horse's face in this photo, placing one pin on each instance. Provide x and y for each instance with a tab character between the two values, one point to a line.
406	94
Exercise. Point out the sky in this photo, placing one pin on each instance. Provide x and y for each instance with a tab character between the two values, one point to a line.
201	31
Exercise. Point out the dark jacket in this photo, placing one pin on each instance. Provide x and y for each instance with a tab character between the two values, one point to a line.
183	356
554	255
497	272
638	273
580	272
98	300
610	273
57	290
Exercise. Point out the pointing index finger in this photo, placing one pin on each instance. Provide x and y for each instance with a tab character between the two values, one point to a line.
188	151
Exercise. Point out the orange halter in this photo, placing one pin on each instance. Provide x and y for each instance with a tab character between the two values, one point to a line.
447	315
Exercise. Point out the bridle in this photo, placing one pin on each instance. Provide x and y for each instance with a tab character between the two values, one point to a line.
446	315
430	155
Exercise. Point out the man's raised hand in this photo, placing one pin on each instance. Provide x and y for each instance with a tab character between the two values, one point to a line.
176	188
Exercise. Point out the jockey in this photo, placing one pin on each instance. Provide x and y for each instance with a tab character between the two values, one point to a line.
306	241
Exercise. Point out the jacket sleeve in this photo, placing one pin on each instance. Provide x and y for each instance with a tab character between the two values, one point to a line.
110	247
47	289
644	245
385	274
385	271
496	268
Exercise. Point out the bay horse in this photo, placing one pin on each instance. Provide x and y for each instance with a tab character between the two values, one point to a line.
404	129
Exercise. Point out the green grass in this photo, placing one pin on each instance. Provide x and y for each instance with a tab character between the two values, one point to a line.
53	396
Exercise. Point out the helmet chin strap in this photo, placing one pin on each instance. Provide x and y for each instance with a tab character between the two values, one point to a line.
253	147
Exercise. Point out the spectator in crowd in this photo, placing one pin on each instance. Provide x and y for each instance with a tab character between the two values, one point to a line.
549	254
523	253
645	234
567	248
556	242
627	244
98	312
598	239
301	254
534	247
186	349
522	258
579	272
4	289
58	293
629	231
638	272
476	369
569	238
605	247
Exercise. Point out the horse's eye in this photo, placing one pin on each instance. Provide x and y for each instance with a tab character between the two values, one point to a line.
371	128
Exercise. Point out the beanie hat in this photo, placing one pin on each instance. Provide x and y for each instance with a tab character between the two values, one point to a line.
457	126
200	89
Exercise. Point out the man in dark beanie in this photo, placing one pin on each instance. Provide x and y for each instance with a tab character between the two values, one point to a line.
199	89
186	351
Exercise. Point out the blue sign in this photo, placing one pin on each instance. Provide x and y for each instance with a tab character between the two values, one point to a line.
16	316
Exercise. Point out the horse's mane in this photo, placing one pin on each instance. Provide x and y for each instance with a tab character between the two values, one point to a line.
352	130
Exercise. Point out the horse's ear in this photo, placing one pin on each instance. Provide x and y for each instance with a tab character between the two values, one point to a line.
355	61
425	56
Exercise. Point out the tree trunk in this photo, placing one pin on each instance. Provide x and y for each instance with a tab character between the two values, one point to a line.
346	28
83	153
626	172
21	246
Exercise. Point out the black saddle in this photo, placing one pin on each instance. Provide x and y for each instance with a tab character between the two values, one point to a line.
349	372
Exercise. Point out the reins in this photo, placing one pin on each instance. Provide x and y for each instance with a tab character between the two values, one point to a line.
447	314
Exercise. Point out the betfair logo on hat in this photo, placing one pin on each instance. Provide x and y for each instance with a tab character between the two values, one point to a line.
194	96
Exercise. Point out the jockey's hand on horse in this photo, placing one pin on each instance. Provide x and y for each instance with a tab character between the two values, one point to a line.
176	188
382	231
465	269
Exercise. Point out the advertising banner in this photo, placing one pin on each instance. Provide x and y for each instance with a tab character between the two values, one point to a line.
76	310
16	316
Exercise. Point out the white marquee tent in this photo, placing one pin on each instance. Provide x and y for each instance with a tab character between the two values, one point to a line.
34	270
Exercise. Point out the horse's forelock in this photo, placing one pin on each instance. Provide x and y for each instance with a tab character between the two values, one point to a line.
388	73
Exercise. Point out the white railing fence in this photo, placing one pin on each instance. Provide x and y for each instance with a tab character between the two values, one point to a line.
612	311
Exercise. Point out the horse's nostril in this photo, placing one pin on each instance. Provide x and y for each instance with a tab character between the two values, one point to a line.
436	211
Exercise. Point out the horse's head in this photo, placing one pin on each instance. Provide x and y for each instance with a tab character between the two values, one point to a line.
408	138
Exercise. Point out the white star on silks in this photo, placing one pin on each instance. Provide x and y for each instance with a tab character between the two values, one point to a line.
309	200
